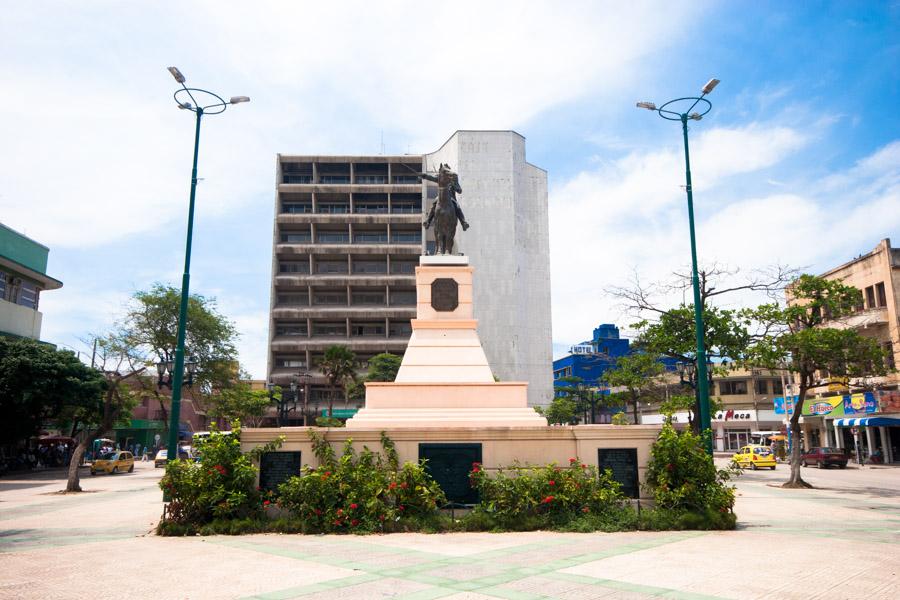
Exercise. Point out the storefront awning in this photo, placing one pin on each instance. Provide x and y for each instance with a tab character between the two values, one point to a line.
868	422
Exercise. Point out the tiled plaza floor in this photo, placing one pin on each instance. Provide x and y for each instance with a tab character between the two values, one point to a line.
839	541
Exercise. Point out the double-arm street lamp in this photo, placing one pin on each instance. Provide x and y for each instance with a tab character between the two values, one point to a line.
666	112
209	104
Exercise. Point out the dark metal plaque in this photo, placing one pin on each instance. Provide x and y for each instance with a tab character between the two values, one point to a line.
450	465
444	294
624	466
277	467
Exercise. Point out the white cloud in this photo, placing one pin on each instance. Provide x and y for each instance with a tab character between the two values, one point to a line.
632	217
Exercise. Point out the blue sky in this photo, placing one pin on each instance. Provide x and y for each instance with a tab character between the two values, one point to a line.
798	162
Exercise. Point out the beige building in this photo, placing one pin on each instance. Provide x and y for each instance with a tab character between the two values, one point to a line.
877	275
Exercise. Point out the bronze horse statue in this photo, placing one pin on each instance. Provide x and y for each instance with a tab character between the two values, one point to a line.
445	213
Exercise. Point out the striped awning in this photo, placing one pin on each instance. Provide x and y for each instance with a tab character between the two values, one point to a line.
868	422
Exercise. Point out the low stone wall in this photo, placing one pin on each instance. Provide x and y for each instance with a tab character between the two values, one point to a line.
500	446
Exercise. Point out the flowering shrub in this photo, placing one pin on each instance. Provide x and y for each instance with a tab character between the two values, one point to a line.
360	493
683	477
534	497
221	485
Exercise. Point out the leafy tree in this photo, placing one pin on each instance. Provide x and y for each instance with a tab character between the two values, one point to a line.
638	373
679	403
38	383
339	367
798	337
561	410
620	418
150	328
239	402
384	367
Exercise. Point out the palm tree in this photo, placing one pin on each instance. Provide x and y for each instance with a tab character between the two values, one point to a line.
339	367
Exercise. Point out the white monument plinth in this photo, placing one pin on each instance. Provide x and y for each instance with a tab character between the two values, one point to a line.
445	379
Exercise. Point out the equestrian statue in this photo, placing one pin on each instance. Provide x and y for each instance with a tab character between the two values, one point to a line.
445	211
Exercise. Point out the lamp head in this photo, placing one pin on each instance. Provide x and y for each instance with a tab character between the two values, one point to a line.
239	99
176	74
710	85
647	105
695	116
184	106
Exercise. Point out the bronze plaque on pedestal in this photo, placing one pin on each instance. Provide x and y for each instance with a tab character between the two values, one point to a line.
444	294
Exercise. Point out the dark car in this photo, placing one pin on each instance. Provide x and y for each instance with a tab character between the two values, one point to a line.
824	457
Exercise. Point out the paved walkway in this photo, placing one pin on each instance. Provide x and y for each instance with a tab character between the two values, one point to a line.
839	541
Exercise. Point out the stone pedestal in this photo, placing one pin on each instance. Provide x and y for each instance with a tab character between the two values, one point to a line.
444	379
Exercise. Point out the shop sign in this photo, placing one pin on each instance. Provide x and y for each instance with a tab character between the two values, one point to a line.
734	415
859	404
819	407
779	404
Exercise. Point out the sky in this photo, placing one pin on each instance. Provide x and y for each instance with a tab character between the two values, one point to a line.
797	163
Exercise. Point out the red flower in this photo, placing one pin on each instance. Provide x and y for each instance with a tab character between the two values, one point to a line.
552	482
476	470
475	464
354	506
354	522
381	517
583	466
266	503
393	485
548	500
327	473
340	511
585	509
403	485
572	461
670	467
318	512
400	508
336	522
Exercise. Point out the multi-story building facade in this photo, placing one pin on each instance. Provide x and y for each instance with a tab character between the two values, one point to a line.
23	276
348	235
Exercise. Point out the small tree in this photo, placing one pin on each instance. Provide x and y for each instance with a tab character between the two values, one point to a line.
339	367
238	402
561	411
797	337
638	374
384	367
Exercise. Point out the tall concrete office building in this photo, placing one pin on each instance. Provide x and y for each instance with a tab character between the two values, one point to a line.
348	235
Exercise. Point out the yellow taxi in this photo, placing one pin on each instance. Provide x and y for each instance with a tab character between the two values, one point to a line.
113	462
755	457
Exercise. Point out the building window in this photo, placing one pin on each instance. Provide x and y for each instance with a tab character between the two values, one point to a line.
2	285
367	329
330	329
406	237
293	267
335	179
297	178
367	298
292	300
888	348
400	329
405	179
733	388
370	266
403	298
405	208
290	362
403	267
291	329
331	267
28	295
295	238
371	208
332	237
370	237
880	296
870	297
777	388
371	179
296	208
330	298
762	386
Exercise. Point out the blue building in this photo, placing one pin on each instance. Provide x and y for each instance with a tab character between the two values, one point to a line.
589	360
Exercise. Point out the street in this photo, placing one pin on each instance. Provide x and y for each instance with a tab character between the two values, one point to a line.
837	541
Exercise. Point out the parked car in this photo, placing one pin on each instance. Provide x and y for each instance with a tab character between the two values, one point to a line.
162	456
113	462
754	456
824	457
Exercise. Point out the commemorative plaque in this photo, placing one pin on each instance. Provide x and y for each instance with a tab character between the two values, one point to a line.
444	294
624	466
277	467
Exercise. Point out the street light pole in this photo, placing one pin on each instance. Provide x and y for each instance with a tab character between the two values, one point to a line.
702	375
218	106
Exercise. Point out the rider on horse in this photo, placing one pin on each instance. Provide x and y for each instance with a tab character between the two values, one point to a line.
450	180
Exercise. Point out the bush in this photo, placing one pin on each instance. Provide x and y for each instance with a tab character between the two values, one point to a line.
683	479
361	493
222	485
526	498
